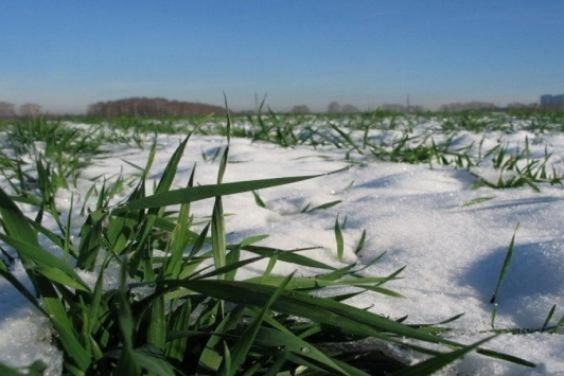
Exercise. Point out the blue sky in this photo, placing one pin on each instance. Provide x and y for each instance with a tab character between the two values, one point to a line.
66	54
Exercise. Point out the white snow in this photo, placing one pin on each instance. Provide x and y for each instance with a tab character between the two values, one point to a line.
414	213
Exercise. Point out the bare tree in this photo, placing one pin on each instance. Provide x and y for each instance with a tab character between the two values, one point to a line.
300	109
334	107
30	110
7	110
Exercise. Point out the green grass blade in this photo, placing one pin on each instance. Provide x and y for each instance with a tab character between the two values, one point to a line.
203	192
502	274
200	240
290	256
477	200
434	364
326	205
339	240
360	244
548	318
180	237
156	332
170	170
258	200
14	221
218	234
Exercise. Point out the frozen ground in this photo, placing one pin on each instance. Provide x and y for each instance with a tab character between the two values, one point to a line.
416	214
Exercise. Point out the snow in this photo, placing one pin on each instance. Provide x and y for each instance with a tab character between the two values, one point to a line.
414	213
25	333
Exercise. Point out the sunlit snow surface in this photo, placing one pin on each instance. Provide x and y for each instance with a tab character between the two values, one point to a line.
414	213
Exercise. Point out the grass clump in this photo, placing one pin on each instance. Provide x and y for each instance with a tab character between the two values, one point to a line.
518	169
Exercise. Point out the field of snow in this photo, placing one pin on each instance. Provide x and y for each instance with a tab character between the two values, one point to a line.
451	236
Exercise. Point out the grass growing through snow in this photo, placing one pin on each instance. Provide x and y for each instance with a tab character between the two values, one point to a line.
178	306
393	137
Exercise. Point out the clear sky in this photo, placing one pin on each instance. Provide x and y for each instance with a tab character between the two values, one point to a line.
65	54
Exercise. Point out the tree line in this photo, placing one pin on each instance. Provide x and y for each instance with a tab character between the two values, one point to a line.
141	106
157	107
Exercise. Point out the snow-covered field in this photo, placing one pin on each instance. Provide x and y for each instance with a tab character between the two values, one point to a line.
423	217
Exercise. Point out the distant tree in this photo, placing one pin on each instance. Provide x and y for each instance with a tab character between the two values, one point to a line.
30	110
300	109
7	110
334	107
151	107
349	109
